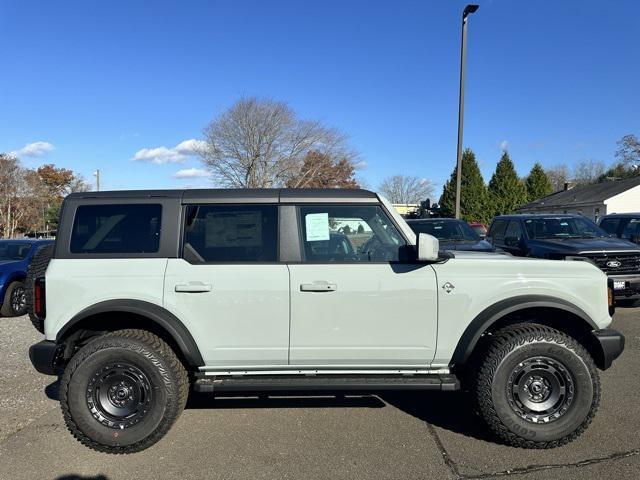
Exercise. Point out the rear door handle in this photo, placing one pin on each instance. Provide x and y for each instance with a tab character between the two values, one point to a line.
318	287
193	287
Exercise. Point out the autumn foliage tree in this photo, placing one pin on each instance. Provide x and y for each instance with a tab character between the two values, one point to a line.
30	199
320	170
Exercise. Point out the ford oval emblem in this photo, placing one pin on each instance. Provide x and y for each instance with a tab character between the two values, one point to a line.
613	264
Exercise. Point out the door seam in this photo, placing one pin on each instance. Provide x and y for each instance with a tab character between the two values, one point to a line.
289	345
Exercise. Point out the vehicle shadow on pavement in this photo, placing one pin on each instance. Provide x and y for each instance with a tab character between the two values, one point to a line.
282	400
82	477
52	391
451	411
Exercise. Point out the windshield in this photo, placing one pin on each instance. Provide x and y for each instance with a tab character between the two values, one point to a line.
450	230
14	251
562	227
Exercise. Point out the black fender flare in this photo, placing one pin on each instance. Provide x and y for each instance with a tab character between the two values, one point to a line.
498	310
155	313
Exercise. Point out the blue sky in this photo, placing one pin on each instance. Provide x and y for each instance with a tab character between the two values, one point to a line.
97	82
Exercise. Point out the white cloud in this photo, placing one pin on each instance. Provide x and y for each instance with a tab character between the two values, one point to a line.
360	165
504	145
191	173
35	149
177	154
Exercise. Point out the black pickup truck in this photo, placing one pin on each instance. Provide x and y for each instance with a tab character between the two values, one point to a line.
570	237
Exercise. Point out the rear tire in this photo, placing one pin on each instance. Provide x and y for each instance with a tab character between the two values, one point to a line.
14	303
123	391
37	268
536	387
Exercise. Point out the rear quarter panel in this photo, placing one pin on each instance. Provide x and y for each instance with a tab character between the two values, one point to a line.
482	282
75	284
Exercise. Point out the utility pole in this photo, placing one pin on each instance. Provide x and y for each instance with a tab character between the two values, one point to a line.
463	57
97	175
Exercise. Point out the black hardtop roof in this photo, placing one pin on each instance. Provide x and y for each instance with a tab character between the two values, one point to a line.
239	195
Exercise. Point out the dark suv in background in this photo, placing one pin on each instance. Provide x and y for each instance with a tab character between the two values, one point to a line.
622	225
570	237
453	234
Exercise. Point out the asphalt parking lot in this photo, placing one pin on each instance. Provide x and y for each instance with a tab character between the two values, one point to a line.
404	436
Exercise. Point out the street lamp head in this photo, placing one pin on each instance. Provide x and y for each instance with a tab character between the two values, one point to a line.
470	9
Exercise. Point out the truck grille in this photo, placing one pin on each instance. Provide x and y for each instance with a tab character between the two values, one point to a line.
621	263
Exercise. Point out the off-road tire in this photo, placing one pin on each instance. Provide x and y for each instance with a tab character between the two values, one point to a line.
504	354
7	309
151	356
37	268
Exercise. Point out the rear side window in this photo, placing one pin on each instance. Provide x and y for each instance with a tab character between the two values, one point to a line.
514	230
231	233
610	225
122	228
497	230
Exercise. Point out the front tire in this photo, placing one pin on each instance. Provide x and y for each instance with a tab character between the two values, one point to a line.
15	302
536	387
123	391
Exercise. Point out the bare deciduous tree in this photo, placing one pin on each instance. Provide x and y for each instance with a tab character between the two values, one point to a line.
260	143
558	176
628	152
587	171
406	189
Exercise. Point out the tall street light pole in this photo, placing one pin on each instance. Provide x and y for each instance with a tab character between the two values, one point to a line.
463	57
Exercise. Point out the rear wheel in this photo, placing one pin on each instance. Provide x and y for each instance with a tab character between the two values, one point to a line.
15	303
123	391
536	387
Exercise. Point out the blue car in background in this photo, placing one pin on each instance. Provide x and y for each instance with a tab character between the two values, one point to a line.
15	256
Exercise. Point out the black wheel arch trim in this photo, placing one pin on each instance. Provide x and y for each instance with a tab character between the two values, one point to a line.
498	310
155	313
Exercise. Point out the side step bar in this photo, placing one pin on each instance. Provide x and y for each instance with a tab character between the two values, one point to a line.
368	383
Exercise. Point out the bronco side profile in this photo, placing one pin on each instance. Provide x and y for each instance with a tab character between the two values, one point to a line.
149	293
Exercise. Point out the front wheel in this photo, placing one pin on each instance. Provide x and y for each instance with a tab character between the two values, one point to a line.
536	387
123	391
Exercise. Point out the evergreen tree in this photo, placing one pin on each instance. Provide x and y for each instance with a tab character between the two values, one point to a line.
473	196
538	183
506	191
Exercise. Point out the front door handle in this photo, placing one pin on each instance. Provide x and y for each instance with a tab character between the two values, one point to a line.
318	287
193	287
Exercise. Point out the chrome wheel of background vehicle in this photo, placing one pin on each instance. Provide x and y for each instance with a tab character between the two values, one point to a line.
540	390
18	300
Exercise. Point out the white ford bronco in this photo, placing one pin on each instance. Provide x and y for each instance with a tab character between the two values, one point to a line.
147	294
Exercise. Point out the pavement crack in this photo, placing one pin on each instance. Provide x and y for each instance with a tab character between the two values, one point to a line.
537	468
448	461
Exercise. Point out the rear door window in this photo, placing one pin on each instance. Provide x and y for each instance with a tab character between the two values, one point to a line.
231	233
119	228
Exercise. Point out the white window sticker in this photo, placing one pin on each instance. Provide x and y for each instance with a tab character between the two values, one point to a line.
317	226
